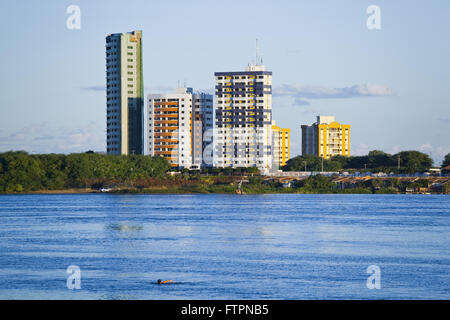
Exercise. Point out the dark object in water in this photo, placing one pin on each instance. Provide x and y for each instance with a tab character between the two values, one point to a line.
165	281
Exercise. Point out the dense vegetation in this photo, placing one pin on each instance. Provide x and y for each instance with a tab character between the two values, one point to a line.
446	161
189	183
375	161
328	184
20	171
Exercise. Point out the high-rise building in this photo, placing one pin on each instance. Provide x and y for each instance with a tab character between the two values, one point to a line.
280	146
243	124
203	126
326	138
176	126
124	93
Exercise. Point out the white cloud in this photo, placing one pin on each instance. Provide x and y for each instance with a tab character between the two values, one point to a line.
359	149
372	90
300	102
437	153
302	92
94	88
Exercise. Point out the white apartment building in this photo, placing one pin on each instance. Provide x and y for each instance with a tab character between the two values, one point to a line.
243	124
175	126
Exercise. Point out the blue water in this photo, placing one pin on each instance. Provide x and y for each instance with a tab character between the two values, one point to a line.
225	246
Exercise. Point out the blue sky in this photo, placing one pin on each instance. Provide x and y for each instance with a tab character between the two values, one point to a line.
391	85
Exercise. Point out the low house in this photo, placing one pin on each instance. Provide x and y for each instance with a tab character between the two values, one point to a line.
442	186
446	169
434	171
350	182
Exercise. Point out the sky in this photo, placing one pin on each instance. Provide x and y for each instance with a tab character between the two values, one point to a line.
392	85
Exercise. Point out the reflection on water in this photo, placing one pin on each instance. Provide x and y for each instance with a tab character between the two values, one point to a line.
224	246
123	227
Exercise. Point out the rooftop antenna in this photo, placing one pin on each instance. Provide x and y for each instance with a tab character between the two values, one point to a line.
178	85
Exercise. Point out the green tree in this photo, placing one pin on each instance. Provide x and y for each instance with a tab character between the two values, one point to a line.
54	168
446	161
357	162
414	161
252	170
318	182
79	169
379	159
228	171
341	160
20	168
299	163
20	171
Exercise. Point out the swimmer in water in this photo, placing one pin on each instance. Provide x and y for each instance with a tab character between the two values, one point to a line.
165	281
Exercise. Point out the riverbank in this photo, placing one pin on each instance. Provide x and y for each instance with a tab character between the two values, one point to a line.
197	190
21	173
257	184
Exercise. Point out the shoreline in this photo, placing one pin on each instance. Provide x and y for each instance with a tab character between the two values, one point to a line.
181	192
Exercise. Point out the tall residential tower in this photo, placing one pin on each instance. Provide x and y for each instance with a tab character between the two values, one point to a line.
124	93
243	125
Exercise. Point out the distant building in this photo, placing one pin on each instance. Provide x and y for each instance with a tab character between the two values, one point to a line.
280	146
176	126
243	125
203	126
124	93
326	138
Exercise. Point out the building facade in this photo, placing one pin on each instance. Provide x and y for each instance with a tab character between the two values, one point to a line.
243	118
203	126
280	146
124	94
326	138
176	124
